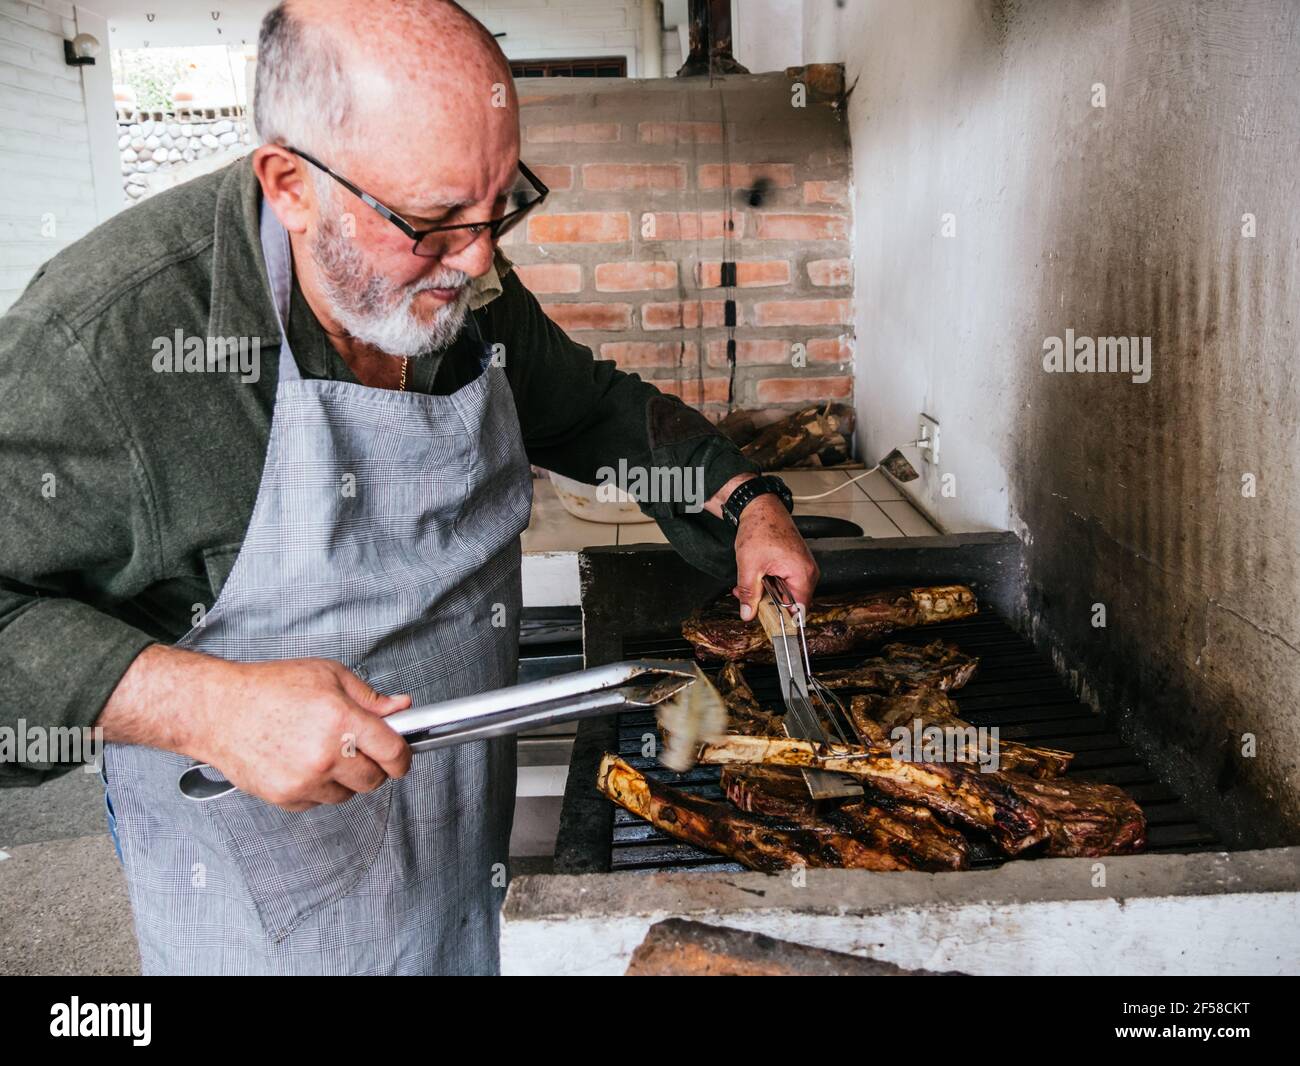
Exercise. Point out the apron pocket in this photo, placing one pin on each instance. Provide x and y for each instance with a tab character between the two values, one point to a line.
296	862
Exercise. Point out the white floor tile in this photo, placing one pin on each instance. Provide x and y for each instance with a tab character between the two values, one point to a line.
908	518
808	482
878	487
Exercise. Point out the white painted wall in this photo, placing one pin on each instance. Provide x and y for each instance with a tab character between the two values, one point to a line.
934	335
47	178
767	35
536	29
1122	220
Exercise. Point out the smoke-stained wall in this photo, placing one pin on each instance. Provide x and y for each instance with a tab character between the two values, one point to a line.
1119	170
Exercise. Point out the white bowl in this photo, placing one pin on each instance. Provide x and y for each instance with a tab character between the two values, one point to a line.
581	501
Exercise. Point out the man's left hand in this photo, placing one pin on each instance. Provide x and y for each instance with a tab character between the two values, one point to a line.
769	545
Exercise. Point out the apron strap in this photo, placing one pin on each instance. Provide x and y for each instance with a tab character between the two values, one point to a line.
279	272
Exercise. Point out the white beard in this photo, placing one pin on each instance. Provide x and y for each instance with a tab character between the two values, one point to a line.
377	311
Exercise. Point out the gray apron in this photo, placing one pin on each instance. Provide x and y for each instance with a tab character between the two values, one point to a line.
385	536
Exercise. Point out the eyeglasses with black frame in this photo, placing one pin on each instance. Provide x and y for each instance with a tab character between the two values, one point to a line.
439	241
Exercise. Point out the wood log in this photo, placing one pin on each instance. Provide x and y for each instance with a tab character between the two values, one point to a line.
800	437
677	947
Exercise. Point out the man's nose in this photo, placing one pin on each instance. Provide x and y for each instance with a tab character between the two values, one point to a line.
475	258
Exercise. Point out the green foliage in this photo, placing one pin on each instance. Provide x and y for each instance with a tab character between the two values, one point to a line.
152	73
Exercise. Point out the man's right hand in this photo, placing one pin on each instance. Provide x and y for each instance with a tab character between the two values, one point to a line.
295	732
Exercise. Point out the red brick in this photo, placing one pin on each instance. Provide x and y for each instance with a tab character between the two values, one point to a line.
633	277
830	272
573	133
590	316
650	353
833	350
555	178
691	225
835	193
789	390
752	353
744	175
550	277
588	226
750	273
777	227
679	132
802	312
682	315
605	177
693	390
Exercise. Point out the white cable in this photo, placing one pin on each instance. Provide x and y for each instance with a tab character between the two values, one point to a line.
850	481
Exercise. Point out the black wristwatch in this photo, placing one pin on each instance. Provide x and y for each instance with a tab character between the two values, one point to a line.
747	491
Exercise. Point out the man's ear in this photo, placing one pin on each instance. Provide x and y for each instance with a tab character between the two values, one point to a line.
285	186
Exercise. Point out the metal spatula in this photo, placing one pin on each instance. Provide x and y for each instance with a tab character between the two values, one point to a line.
809	707
583	694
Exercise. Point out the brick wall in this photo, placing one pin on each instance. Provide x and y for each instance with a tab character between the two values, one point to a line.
47	192
650	193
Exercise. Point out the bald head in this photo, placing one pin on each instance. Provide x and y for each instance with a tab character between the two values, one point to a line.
335	77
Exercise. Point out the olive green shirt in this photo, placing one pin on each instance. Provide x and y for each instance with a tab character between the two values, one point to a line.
126	489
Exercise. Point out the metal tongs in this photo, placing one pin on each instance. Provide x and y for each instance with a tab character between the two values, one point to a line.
809	705
583	694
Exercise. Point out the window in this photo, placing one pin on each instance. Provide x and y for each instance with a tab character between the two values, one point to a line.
609	67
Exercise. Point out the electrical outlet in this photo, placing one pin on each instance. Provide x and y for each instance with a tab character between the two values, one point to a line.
928	440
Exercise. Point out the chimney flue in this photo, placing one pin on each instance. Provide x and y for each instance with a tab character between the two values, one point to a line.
710	40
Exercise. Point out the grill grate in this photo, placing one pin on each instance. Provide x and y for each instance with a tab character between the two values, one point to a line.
1014	689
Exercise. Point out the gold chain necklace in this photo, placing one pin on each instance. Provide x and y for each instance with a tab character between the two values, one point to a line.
401	385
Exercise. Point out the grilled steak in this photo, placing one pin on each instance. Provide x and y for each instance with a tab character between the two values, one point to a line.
744	715
775	791
967	797
1082	818
906	829
875	717
832	624
937	665
760	843
1017	812
772	822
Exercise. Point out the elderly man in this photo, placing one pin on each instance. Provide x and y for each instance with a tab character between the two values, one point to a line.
251	563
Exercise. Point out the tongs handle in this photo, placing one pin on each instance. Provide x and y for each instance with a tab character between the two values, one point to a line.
565	697
777	610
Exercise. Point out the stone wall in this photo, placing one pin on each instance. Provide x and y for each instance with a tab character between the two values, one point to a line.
157	142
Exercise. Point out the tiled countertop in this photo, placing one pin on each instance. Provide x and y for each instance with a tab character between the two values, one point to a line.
554	537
